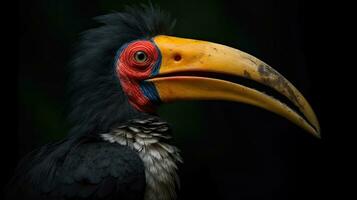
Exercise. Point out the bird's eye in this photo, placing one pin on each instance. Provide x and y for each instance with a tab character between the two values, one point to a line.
140	56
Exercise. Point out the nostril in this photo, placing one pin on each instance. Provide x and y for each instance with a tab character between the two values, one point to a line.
177	57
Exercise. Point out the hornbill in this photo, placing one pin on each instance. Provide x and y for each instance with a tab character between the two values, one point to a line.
118	147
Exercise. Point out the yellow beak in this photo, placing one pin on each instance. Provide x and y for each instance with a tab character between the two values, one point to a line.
183	59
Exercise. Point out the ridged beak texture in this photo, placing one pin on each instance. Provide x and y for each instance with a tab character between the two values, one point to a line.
183	58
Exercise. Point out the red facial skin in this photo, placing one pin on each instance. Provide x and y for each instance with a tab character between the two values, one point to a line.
131	72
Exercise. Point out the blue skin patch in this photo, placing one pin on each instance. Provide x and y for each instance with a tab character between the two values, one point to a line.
147	88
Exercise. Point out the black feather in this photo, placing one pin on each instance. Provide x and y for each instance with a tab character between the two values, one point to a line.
80	165
97	98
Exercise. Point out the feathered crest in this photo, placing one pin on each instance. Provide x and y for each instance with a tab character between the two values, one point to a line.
96	95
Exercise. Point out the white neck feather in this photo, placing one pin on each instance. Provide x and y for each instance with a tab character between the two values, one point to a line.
159	158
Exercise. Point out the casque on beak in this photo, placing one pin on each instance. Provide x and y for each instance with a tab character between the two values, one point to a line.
183	58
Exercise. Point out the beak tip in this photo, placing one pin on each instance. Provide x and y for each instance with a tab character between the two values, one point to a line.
318	136
317	133
318	130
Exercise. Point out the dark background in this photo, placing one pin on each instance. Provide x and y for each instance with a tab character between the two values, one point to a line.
231	151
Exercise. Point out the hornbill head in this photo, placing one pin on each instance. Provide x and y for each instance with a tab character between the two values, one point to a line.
131	61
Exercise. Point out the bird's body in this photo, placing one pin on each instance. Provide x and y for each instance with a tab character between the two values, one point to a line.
113	150
118	148
132	161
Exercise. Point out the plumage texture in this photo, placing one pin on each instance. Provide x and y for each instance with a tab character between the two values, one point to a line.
82	165
92	170
147	137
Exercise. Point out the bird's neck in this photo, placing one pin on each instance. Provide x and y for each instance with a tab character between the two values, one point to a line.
149	138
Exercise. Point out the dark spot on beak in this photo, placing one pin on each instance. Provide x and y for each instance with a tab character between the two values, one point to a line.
246	74
177	57
263	70
276	80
